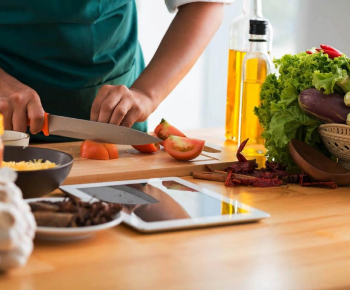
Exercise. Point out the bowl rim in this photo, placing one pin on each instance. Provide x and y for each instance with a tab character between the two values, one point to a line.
27	136
45	149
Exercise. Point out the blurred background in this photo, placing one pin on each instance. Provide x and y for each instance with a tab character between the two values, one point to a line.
200	99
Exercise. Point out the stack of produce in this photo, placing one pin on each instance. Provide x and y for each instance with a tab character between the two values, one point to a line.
17	224
311	89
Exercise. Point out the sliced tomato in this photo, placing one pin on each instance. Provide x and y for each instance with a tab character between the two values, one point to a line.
147	148
99	151
164	130
182	148
112	150
93	150
155	135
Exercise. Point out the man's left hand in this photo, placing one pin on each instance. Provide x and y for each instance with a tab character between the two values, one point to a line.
121	106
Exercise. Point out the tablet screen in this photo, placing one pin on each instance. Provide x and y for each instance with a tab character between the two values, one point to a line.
164	200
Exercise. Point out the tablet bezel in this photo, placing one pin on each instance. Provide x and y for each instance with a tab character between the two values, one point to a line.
142	226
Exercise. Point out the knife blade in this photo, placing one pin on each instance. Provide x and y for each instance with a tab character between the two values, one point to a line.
211	149
120	194
90	130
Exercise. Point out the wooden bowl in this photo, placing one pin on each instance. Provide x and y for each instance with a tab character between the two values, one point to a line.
36	183
336	137
316	164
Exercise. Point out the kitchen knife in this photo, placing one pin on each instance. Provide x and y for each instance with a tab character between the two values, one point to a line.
90	130
120	194
211	150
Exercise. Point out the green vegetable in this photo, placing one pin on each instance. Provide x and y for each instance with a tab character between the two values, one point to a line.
280	113
347	99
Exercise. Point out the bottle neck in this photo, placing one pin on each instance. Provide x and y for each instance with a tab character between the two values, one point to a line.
253	8
257	43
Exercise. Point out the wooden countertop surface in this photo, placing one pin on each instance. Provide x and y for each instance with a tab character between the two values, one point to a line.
305	244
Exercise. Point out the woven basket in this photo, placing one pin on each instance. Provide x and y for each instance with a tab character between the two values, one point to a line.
336	137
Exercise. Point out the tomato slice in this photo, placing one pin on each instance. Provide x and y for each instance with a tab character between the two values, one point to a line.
164	130
182	148
98	151
112	150
93	150
147	148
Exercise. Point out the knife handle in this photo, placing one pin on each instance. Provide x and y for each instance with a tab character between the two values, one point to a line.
45	128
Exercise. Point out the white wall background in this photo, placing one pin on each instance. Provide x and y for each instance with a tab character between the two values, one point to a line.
324	22
200	99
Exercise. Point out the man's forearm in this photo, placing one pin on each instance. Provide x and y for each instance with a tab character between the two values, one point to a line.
188	35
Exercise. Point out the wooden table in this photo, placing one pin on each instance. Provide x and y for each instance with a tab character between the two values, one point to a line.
305	244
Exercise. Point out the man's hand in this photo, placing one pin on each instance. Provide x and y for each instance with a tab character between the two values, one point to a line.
121	106
19	102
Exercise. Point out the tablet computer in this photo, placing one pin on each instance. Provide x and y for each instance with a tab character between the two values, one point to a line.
170	203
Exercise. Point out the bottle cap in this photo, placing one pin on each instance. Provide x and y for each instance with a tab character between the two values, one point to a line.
1	124
258	27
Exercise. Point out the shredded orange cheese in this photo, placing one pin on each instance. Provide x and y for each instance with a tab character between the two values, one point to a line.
31	165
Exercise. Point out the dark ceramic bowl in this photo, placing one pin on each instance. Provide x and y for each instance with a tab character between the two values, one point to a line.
37	183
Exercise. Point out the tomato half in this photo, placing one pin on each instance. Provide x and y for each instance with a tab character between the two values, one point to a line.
164	130
98	151
182	148
112	150
93	150
147	148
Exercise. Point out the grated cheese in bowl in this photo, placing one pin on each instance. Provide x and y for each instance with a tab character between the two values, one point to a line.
30	165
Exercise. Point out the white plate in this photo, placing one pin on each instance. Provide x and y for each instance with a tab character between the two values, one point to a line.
70	234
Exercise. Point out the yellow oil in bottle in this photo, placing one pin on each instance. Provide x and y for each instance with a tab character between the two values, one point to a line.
256	72
231	208
234	79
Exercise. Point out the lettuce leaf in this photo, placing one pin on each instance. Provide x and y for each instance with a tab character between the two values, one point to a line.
327	81
279	111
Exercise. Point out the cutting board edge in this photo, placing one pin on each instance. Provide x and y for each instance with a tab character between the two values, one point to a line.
155	173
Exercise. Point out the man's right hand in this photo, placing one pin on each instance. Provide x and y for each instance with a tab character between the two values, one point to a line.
18	103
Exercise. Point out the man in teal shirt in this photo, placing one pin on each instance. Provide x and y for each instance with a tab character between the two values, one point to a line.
82	59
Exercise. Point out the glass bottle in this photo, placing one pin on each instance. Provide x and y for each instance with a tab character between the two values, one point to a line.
256	66
238	47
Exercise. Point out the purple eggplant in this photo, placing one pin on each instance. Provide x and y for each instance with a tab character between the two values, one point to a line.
326	108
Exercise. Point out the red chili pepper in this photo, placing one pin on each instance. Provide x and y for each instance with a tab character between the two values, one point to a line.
306	180
240	157
329	184
308	52
328	47
331	54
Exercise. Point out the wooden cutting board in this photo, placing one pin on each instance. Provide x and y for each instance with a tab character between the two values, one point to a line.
134	165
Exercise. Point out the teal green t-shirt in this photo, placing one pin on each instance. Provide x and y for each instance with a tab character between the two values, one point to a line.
66	50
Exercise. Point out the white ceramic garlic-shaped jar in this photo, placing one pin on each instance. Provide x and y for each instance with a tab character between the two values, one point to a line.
17	223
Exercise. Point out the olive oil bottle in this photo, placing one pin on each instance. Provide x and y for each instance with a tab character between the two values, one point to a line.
256	66
238	47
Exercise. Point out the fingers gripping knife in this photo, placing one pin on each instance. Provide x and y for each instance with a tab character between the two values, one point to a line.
90	130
